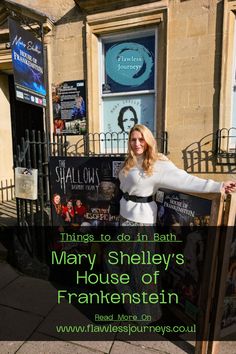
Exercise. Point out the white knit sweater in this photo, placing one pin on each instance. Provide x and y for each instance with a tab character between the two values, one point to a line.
165	175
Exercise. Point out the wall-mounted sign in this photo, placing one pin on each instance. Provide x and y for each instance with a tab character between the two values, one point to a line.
26	183
28	65
69	108
130	65
122	113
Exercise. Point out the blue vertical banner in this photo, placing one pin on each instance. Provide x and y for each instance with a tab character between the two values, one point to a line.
28	65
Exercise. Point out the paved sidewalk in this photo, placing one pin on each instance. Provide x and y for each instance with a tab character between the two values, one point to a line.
17	294
8	216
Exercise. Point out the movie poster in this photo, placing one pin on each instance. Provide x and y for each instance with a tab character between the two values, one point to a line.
69	108
83	190
28	65
186	216
228	323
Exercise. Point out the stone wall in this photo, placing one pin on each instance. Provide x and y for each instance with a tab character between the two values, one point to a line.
6	157
193	84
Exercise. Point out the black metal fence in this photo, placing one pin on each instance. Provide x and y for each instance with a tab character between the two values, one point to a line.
34	152
109	143
7	191
225	146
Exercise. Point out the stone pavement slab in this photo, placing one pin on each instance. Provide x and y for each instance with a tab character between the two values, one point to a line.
63	314
53	346
66	314
7	274
10	347
227	347
29	294
101	346
178	347
123	347
16	325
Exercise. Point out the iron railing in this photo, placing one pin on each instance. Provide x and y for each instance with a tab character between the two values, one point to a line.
110	143
7	191
225	146
34	152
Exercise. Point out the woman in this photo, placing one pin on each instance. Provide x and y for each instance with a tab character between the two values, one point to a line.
78	111
145	171
68	212
59	126
80	211
57	219
127	118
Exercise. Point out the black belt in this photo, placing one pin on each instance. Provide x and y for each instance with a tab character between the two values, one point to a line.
136	199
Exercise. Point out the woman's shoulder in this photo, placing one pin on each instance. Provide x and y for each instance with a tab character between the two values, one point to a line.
162	157
162	162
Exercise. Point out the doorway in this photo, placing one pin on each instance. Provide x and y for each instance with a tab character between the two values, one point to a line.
23	116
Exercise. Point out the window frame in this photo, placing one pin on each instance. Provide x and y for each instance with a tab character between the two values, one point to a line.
130	35
228	71
114	22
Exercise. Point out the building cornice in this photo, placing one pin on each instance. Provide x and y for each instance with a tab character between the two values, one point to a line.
93	6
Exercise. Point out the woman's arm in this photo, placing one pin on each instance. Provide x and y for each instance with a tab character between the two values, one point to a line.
178	179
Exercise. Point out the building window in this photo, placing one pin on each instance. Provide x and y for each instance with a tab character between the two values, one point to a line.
128	80
226	134
232	131
126	62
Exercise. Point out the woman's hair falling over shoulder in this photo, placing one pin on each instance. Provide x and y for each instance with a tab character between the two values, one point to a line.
150	155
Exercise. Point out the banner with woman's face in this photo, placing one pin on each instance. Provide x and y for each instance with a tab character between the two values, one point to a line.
122	113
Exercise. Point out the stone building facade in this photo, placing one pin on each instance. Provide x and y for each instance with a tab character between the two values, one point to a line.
191	95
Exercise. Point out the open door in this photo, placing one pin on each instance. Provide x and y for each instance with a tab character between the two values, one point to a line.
23	116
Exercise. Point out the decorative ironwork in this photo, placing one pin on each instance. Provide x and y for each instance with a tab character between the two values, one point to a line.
112	143
26	21
225	146
214	153
27	16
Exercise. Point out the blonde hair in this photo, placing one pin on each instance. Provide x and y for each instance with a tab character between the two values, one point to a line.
150	154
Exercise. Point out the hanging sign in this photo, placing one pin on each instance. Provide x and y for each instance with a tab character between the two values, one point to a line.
26	183
28	65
